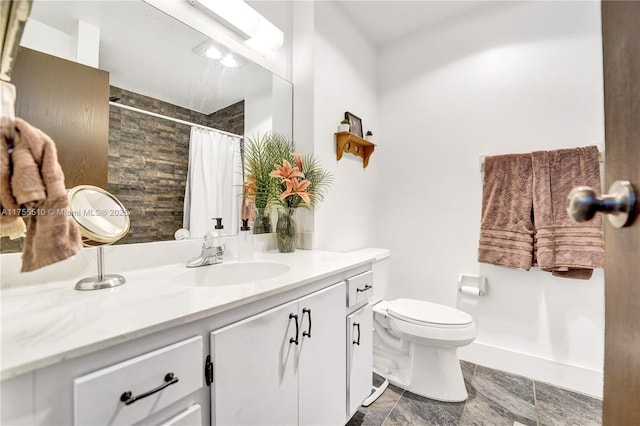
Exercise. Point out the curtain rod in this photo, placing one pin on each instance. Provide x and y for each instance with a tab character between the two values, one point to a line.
165	117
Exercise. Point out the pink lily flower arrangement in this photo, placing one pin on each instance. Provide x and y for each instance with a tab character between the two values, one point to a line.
306	182
276	174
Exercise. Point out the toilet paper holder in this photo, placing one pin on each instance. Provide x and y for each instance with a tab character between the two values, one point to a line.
474	285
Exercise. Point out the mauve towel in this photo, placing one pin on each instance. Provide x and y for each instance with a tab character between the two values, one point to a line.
564	247
506	230
31	176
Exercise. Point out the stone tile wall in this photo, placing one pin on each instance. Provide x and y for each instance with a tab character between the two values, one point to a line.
149	157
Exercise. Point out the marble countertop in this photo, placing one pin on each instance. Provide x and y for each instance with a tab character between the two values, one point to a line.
46	323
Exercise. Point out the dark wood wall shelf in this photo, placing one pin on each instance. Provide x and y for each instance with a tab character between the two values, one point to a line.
354	144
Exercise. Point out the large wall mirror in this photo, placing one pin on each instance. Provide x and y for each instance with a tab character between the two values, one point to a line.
161	75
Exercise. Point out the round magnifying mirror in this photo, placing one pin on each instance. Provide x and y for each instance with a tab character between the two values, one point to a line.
101	216
102	220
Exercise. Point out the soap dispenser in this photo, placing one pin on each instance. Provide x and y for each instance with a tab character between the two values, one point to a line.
218	231
218	228
214	236
245	241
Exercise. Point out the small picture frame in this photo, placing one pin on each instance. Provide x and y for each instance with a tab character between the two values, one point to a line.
355	123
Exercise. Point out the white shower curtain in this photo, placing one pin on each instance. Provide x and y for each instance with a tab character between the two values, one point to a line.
214	182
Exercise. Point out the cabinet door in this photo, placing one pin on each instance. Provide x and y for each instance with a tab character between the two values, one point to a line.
254	380
359	357
322	367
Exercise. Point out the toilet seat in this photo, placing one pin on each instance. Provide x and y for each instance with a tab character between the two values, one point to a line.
428	314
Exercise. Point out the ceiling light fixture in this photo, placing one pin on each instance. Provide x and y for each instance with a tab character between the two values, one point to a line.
229	61
213	52
241	17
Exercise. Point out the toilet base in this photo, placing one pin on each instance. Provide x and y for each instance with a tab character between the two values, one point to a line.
434	372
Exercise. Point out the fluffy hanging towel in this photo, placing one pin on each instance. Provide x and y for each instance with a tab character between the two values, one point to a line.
11	224
564	247
31	176
506	230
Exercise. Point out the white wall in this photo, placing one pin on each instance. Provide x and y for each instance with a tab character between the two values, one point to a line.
344	80
514	77
38	36
258	116
282	106
82	45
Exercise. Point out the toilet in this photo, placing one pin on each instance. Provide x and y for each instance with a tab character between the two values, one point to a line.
415	347
415	342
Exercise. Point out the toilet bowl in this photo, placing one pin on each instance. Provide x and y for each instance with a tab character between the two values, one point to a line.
415	342
415	347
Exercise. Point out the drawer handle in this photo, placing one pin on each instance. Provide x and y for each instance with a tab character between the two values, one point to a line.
128	398
292	340
357	342
308	332
366	287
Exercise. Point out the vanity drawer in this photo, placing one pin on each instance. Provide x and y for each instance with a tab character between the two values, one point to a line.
97	397
360	288
192	416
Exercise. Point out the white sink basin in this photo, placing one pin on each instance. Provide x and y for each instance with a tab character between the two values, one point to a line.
225	274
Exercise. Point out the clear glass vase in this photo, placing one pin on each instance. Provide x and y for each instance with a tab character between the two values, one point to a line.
262	222
286	230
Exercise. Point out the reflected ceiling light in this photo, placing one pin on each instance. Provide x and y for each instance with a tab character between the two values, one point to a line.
229	61
213	52
218	54
243	18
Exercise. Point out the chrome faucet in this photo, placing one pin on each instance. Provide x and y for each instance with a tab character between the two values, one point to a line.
212	252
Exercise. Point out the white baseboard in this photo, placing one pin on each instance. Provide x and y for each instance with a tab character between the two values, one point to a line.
578	379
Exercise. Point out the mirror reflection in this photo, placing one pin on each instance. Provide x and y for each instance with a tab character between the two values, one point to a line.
164	83
102	218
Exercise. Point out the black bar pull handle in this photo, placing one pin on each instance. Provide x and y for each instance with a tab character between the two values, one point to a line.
308	332
366	287
292	340
357	342
128	398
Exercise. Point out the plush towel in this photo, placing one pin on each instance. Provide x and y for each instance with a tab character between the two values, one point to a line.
11	224
506	230
31	176
12	227
564	247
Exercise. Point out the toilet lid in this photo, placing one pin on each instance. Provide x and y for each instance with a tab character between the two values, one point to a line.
418	311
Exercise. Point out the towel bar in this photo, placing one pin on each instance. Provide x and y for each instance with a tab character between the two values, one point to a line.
481	158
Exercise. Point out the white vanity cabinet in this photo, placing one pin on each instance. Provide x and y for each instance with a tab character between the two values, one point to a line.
192	416
280	352
359	357
284	366
322	367
359	340
130	391
94	389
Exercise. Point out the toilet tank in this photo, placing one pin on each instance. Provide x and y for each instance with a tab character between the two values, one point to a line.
380	270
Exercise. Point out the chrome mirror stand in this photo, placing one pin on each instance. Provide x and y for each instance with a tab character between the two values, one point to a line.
101	280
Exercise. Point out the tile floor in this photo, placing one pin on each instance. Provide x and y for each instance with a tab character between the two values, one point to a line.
495	398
